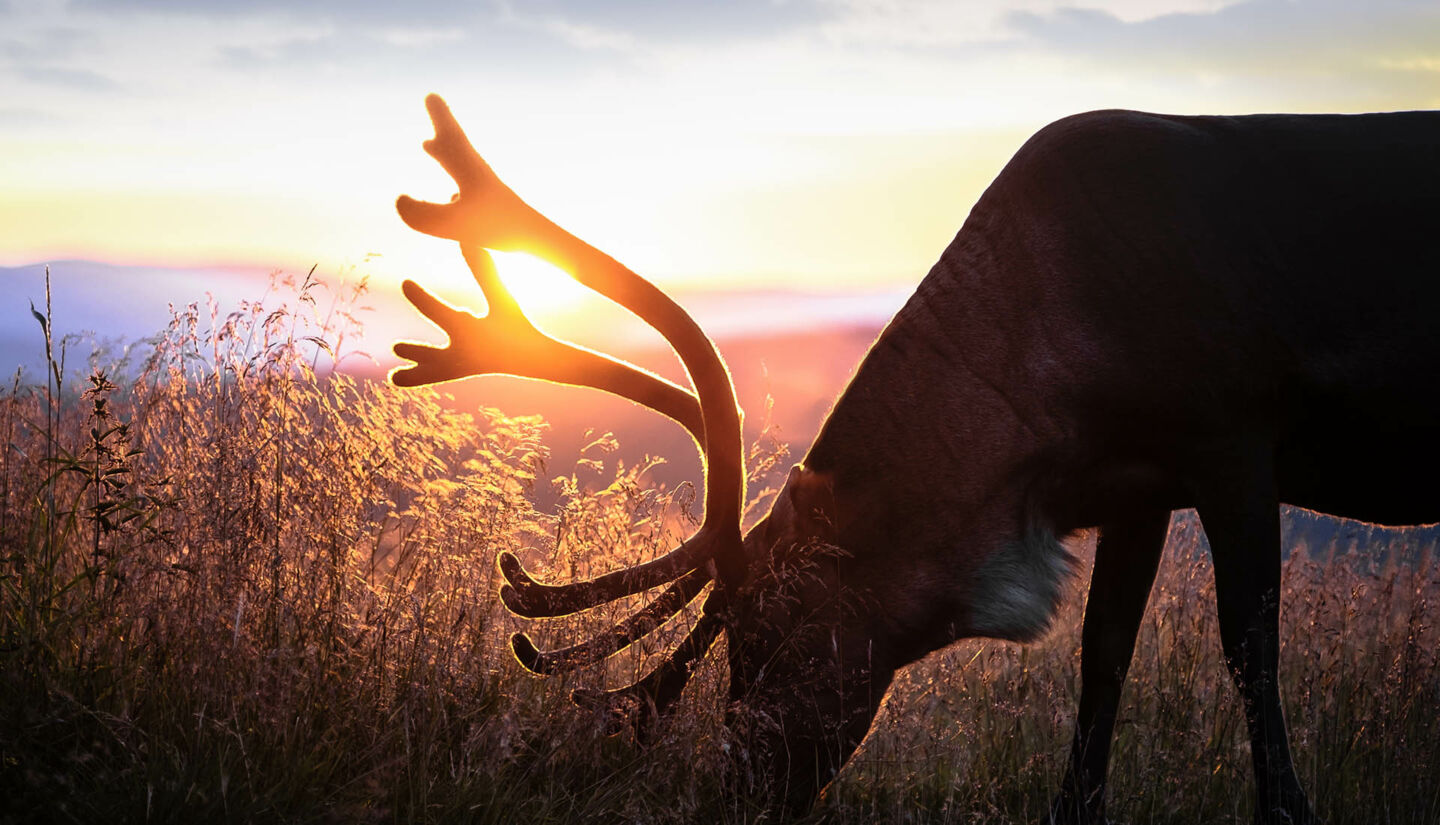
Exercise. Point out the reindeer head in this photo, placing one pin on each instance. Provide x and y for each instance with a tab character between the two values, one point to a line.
804	679
806	674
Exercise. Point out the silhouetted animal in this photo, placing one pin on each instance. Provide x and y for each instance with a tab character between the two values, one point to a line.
1142	313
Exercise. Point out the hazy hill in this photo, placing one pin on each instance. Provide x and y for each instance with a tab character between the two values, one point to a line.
802	371
118	304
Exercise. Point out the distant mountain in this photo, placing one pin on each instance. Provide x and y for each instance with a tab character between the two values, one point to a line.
1323	537
118	304
129	303
801	371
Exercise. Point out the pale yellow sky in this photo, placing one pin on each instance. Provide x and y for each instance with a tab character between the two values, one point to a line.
820	144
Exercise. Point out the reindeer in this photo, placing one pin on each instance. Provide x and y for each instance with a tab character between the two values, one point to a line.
1142	313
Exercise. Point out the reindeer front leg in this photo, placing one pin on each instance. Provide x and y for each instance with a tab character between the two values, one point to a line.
1240	513
1126	557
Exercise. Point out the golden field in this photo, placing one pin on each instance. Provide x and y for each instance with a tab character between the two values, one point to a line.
239	586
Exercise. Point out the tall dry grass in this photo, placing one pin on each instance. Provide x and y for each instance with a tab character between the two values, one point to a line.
238	586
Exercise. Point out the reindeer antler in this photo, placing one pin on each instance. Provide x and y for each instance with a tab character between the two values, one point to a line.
639	704
505	342
625	632
488	214
485	211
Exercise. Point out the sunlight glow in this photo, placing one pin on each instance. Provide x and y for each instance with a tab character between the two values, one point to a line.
839	150
542	290
546	294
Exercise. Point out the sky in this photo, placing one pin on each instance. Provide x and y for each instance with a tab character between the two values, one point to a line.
807	144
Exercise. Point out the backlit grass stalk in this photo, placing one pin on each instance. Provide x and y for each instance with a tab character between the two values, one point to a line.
293	618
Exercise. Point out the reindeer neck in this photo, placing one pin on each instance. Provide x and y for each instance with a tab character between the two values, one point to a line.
946	402
934	449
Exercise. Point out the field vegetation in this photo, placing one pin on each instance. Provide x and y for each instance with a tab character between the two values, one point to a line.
240	586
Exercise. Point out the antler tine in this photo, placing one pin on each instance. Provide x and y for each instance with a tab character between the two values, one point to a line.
488	213
499	301
641	703
621	635
524	596
505	342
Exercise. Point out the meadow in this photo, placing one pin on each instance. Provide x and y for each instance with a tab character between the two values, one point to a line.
238	585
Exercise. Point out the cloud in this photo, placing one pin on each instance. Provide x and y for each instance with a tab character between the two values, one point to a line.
1315	55
58	76
45	43
21	117
585	24
283	48
1273	37
920	24
334	28
685	20
580	35
364	11
411	37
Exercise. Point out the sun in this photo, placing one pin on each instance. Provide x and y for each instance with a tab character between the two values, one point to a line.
541	289
545	292
549	297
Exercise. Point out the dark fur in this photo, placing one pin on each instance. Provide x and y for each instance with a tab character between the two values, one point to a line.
1142	313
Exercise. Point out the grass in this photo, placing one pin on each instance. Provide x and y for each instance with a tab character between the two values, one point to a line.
239	587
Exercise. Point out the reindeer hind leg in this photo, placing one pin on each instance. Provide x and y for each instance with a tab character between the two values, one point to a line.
1241	516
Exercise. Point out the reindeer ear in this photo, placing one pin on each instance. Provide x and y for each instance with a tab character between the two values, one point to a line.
810	495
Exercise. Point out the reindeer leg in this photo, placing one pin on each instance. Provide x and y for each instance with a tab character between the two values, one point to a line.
1126	558
1241	517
